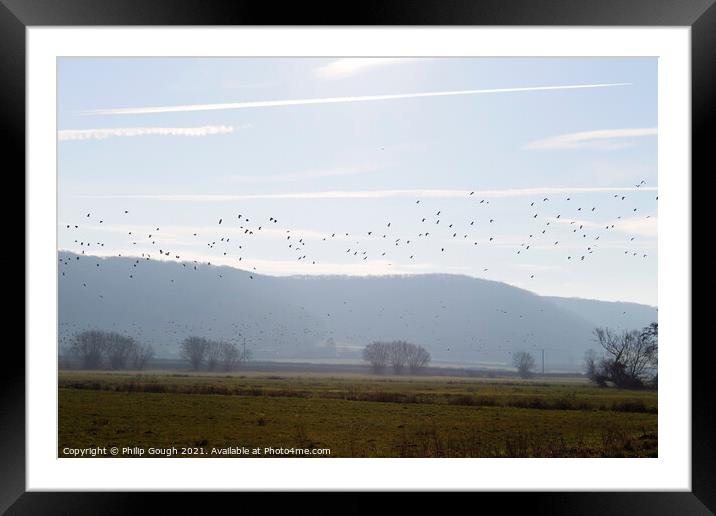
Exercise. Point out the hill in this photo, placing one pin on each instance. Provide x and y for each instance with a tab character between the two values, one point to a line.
459	319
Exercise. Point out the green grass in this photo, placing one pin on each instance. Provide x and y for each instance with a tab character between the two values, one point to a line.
357	415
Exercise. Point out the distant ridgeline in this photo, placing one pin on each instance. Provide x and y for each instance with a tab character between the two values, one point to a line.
458	319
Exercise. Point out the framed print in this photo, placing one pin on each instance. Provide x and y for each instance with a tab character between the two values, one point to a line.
429	248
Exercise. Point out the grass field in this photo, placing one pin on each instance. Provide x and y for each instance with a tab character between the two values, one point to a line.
354	415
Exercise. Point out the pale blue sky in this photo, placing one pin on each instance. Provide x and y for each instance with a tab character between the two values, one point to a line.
366	158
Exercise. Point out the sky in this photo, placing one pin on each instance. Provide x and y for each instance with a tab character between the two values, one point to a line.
525	159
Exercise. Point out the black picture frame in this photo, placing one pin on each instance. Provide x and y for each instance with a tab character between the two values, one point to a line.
699	15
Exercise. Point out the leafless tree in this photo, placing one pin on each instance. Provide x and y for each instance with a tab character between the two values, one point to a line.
418	357
89	347
194	349
230	356
119	350
590	363
398	354
213	355
592	368
98	349
142	355
524	362
376	354
630	357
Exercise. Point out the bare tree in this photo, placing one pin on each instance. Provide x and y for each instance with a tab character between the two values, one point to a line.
213	355
418	357
89	347
524	362
376	354
630	357
398	354
230	356
194	349
119	350
98	349
592	368
142	355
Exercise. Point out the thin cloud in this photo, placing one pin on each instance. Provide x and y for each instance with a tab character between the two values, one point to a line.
375	194
605	139
332	100
298	176
641	226
349	66
638	226
104	133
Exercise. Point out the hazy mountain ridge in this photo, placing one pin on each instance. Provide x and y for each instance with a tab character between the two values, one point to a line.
459	319
608	313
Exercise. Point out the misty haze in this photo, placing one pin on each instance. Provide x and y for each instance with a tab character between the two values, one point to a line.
374	257
461	321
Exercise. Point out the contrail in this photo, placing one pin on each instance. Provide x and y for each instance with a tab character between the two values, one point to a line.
104	133
331	100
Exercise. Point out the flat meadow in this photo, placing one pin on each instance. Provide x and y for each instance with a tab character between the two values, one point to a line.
354	415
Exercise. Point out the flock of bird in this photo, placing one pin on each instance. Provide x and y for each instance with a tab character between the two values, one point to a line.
433	226
389	241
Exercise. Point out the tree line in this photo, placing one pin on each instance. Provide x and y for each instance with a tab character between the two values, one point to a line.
399	355
628	359
217	355
96	349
